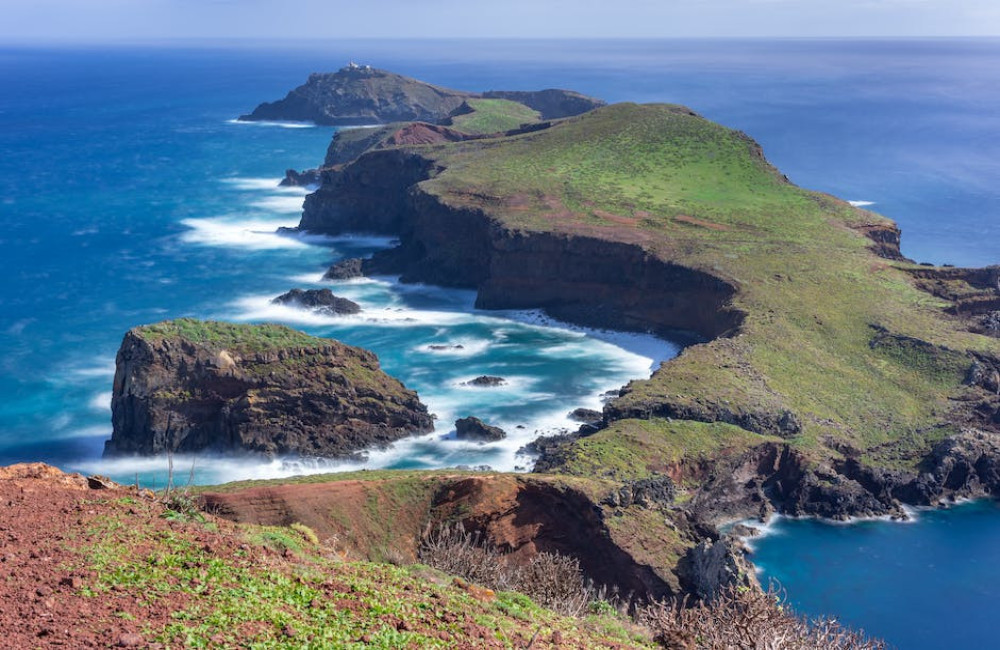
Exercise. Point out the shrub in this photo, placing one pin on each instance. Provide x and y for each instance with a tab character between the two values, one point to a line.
552	580
746	619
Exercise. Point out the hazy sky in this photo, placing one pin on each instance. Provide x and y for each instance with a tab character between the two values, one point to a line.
131	20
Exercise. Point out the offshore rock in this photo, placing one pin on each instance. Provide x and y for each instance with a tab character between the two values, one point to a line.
345	269
474	429
318	300
189	386
485	381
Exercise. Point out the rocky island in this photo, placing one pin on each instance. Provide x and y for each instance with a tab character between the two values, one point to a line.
190	386
362	95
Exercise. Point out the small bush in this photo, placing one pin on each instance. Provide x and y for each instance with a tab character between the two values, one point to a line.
552	580
307	533
746	619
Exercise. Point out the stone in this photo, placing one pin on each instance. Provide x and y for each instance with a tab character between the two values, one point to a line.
345	269
318	300
485	381
474	429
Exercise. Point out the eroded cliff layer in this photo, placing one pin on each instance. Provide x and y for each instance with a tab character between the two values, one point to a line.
186	386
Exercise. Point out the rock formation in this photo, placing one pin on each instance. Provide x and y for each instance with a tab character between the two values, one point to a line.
318	300
486	381
475	430
188	386
345	269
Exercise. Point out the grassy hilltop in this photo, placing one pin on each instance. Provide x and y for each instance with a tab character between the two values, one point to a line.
829	328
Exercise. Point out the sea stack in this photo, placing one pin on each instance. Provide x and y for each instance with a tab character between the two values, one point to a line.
189	386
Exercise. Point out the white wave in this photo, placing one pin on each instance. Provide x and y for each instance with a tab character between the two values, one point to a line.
653	349
255	234
100	368
279	204
260	308
101	402
308	278
282	124
94	431
263	184
861	204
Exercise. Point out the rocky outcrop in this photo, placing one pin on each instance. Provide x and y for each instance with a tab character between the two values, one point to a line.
475	430
585	415
188	386
712	567
647	492
304	178
485	381
352	267
319	300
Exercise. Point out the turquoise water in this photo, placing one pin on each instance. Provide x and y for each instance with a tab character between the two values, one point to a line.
128	196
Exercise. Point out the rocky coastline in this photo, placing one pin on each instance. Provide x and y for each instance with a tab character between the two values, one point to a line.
618	283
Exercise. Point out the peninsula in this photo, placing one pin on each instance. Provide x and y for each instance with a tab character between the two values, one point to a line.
825	374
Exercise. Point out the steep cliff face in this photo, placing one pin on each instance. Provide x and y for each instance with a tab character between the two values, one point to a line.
630	546
582	279
190	386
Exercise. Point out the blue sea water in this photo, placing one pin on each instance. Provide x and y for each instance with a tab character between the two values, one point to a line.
127	195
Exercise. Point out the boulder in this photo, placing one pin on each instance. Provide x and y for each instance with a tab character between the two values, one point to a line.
485	381
474	429
352	267
587	416
319	300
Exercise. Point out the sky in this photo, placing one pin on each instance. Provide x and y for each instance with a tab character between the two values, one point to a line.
107	21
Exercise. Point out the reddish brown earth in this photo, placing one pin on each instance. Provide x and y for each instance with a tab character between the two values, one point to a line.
70	554
621	548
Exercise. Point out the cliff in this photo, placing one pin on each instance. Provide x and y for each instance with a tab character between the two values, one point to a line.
186	386
816	341
628	538
361	95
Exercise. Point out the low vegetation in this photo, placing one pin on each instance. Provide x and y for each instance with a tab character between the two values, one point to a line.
493	116
251	338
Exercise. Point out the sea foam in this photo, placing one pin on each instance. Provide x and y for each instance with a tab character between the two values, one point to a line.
275	123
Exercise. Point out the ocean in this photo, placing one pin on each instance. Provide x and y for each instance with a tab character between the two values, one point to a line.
129	195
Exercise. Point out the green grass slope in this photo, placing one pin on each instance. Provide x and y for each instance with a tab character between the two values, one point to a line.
815	294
